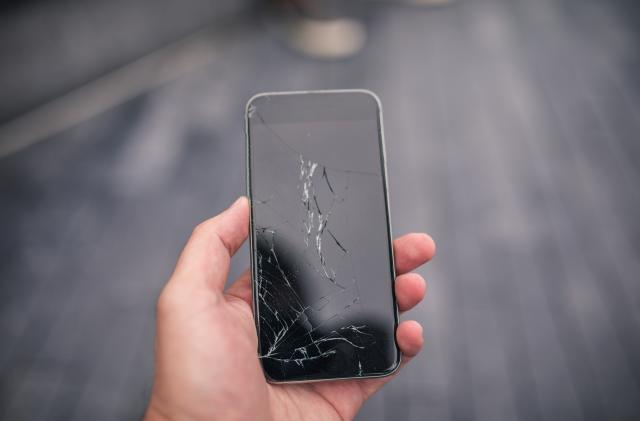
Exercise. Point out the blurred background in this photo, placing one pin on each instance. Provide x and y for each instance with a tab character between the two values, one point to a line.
513	137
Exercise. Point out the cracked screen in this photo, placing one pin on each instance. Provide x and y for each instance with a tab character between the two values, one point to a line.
321	257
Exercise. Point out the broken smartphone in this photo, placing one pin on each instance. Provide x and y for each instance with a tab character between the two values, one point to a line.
321	253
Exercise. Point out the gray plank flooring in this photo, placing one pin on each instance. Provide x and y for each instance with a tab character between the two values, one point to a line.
513	132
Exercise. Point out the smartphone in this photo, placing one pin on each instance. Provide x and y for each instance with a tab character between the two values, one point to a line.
321	253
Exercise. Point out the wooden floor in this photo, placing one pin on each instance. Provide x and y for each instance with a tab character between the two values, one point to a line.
513	132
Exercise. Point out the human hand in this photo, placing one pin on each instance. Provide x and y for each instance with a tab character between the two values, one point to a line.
206	364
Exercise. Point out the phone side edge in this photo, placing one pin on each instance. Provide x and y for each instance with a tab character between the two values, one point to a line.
252	245
385	184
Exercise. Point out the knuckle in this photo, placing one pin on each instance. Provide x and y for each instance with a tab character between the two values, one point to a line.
199	229
166	300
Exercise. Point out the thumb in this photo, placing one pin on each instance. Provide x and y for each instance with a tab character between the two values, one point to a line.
206	256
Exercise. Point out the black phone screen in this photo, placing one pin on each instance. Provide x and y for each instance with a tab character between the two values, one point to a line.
322	261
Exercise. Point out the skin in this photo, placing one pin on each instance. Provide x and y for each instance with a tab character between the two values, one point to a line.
206	365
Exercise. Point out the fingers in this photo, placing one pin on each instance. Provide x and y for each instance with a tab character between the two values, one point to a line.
410	290
205	258
412	250
409	337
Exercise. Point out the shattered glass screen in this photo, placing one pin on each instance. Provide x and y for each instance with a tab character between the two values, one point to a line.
323	278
